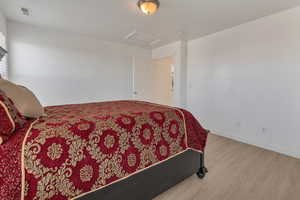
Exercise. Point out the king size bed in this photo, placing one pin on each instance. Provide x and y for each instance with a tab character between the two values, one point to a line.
110	151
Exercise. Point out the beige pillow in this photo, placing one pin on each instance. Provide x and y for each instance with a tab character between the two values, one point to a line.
25	101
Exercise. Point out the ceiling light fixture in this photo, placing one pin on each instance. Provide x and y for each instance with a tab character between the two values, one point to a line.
148	7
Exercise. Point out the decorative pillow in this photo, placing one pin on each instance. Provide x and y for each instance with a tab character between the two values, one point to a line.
24	100
10	118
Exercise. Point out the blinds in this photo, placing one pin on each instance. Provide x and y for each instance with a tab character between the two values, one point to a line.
3	62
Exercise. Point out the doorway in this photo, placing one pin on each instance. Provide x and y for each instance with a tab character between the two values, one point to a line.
154	80
163	80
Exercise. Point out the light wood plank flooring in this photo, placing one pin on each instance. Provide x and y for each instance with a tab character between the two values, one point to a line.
239	171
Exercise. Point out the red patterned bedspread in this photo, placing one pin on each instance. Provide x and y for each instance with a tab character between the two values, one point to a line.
80	148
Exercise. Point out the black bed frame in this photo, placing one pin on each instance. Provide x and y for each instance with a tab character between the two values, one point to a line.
153	181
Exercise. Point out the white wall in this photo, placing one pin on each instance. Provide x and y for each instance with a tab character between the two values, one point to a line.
244	83
2	23
63	68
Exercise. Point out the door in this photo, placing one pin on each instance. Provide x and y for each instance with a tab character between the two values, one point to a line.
154	80
142	80
163	80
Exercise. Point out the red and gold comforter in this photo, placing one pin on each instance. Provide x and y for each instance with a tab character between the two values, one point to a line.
81	148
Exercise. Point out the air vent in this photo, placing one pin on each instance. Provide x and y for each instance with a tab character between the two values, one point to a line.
139	38
131	35
154	42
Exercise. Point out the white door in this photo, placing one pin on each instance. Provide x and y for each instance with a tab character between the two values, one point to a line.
163	80
154	80
142	80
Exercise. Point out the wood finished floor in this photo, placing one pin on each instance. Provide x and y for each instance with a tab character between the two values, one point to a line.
239	171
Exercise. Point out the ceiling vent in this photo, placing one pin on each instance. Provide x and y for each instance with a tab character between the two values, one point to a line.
142	39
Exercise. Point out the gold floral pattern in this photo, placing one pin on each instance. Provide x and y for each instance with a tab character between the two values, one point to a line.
147	134
86	173
131	159
54	151
109	141
83	127
174	128
126	120
163	150
79	148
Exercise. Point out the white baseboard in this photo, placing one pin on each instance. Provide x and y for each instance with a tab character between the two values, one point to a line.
275	148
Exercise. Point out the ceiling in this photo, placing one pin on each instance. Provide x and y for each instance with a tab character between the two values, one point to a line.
113	20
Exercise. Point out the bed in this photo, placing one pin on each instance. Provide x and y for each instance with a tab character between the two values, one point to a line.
109	151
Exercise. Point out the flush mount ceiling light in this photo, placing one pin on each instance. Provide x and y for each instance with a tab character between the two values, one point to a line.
148	7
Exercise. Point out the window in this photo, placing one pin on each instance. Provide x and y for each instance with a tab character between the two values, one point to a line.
3	62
